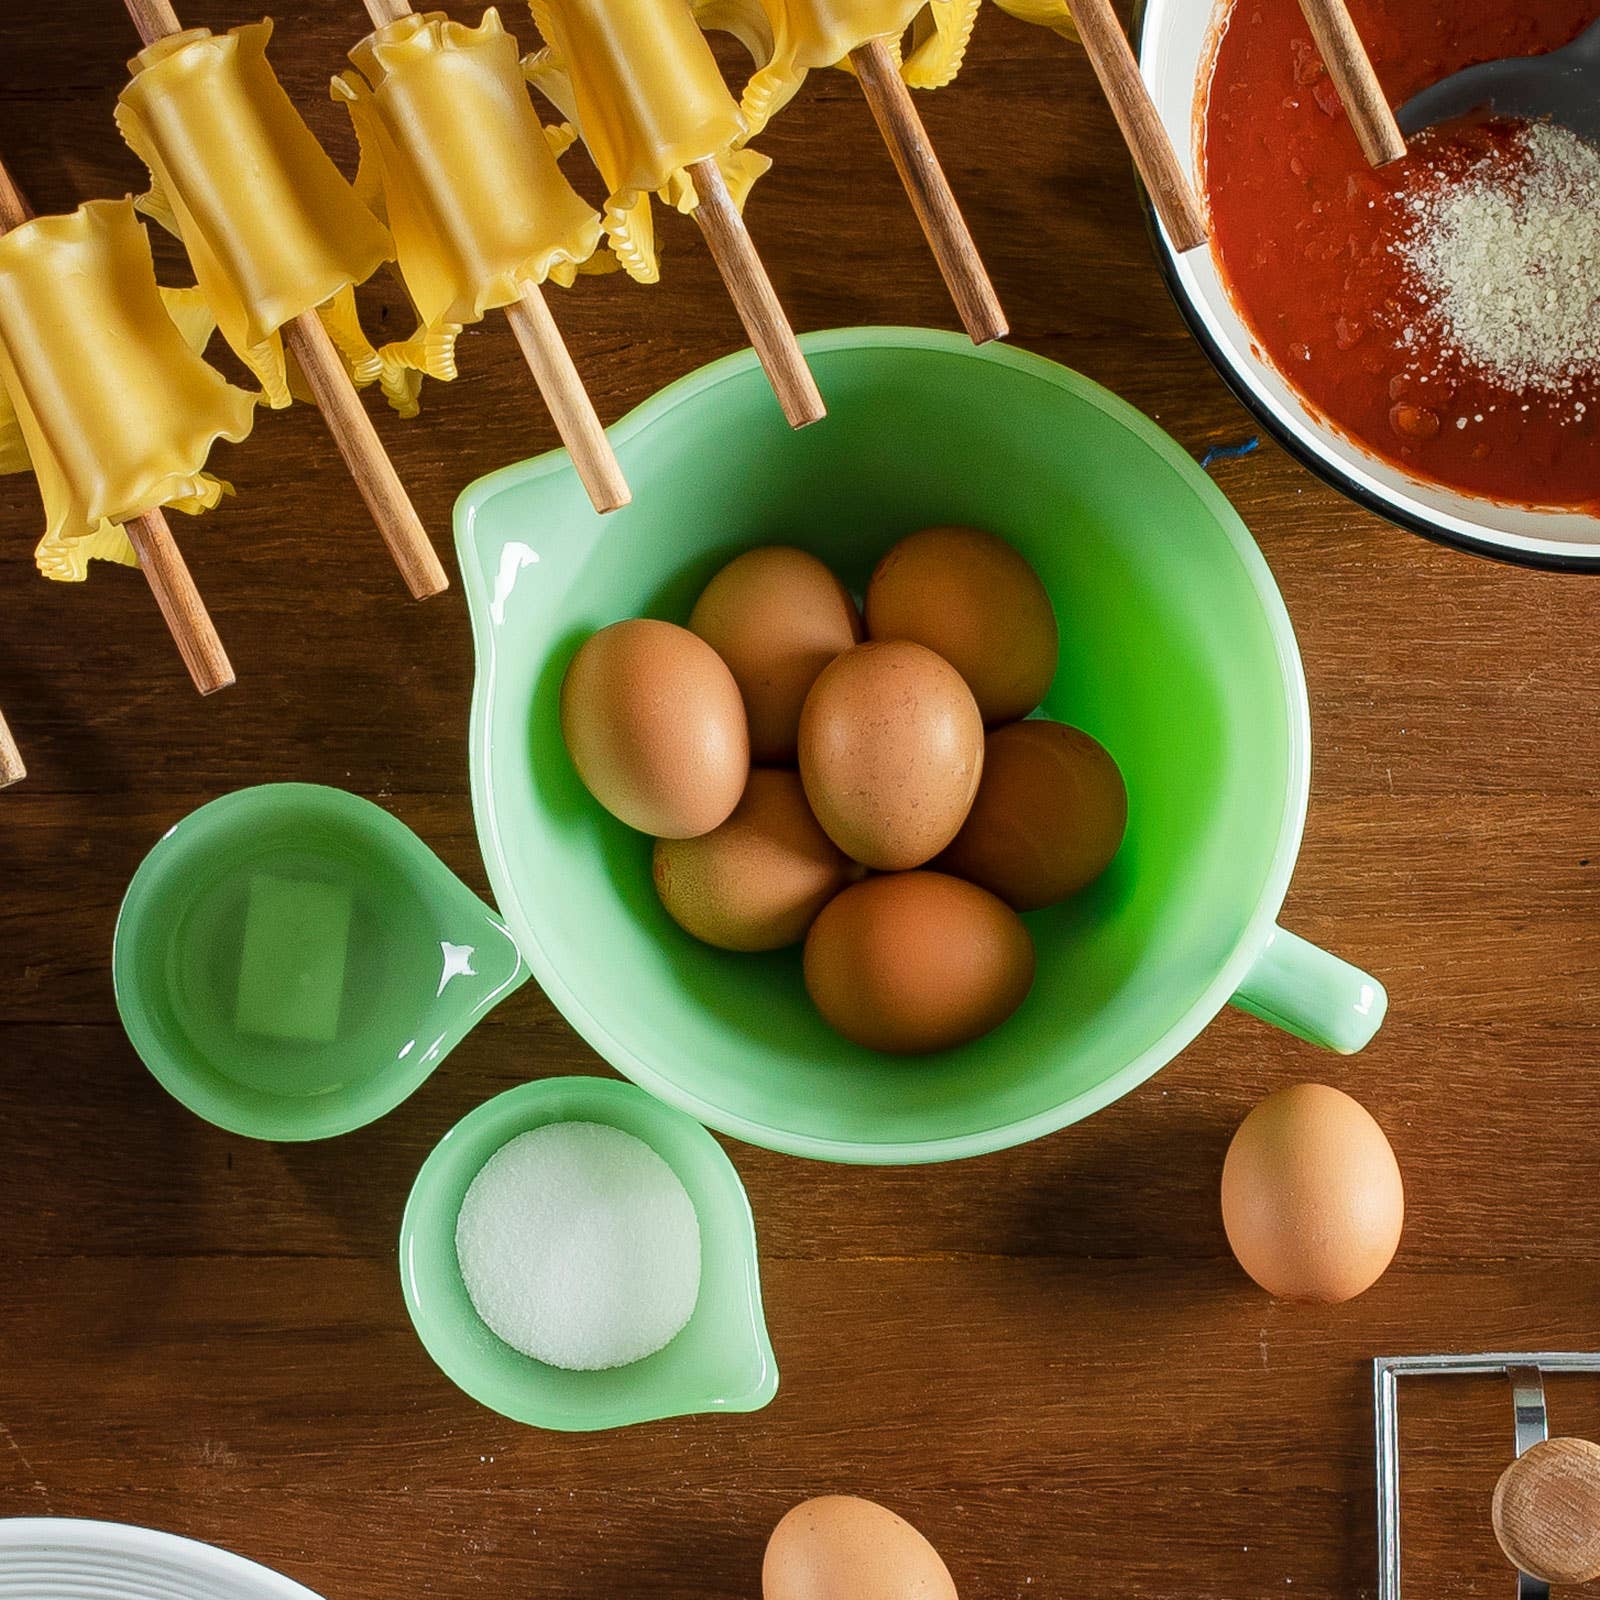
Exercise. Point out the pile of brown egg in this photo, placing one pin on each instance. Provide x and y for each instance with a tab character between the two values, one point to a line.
867	780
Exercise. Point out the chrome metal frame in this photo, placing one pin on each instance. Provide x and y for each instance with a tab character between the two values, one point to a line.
1525	1371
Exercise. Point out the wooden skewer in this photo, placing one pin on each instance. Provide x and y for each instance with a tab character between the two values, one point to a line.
551	364
929	191
573	412
1350	67
753	297
336	398
1113	60
11	768
162	562
364	455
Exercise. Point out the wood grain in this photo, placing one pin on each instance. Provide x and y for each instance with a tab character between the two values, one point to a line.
1045	1359
929	191
1350	67
154	19
765	321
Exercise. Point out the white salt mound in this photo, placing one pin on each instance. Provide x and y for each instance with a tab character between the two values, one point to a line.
580	1247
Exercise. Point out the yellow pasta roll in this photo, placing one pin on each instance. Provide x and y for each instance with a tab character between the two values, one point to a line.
1052	14
103	382
789	38
454	156
271	226
642	87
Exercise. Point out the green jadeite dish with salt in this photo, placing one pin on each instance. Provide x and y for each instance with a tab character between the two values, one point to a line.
291	962
1177	654
721	1361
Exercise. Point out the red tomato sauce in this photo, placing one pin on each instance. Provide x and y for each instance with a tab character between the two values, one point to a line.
1303	230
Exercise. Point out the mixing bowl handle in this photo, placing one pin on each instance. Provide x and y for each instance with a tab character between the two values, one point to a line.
1301	988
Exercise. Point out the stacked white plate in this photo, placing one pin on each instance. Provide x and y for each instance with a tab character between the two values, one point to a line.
54	1558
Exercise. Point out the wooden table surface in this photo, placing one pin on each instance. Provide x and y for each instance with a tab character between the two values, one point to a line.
1046	1359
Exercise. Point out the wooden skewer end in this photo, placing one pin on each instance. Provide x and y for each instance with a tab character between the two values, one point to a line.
170	582
754	298
1115	66
929	191
155	19
364	455
1350	67
553	371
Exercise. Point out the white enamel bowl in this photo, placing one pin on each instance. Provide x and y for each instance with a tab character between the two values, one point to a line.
1174	51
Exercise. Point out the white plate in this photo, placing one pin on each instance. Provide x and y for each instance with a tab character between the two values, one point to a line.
1174	39
57	1558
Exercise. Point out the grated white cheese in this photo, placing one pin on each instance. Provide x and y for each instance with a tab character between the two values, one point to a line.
1507	262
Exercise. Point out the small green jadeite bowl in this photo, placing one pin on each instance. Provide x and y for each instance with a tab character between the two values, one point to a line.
419	961
1176	654
721	1361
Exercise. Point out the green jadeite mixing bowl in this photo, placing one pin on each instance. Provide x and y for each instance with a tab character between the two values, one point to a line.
1176	654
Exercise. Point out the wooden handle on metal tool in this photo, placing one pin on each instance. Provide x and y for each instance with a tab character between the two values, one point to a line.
1350	67
754	298
336	398
1547	1511
1113	61
929	192
11	767
164	567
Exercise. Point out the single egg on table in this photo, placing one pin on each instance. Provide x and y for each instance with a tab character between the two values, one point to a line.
1048	818
917	961
654	724
777	616
841	1547
971	598
758	881
891	750
1312	1199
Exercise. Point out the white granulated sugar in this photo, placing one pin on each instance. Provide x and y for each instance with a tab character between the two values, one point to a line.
1508	260
580	1247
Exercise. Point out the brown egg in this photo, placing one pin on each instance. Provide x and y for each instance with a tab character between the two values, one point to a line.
758	881
917	961
1311	1195
839	1547
891	750
972	599
655	727
777	616
1050	815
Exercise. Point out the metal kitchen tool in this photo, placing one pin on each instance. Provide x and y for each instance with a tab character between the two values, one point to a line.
1528	1519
